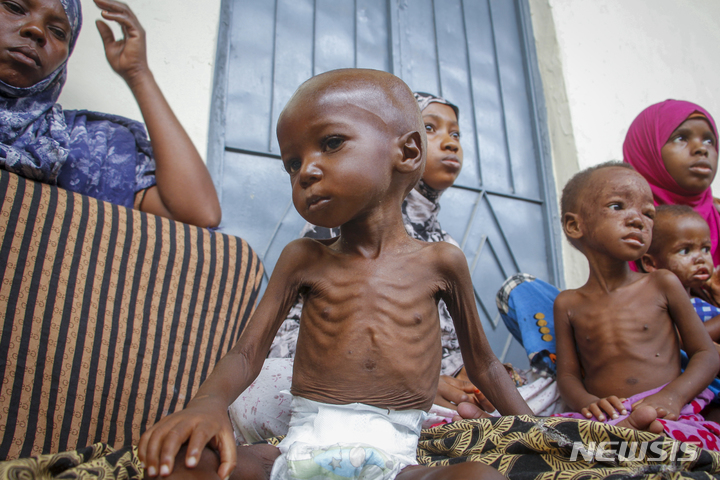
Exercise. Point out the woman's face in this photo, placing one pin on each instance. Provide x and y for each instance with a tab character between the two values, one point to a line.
690	155
444	155
34	40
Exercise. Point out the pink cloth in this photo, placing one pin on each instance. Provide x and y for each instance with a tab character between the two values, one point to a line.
642	149
690	427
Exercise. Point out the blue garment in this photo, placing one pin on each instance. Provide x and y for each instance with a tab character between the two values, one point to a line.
705	311
526	306
104	156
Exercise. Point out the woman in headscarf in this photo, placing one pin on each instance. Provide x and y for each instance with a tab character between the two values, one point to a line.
96	154
673	144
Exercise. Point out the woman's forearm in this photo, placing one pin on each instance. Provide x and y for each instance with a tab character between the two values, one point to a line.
185	191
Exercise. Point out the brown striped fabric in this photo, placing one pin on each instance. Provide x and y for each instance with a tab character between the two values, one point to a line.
111	318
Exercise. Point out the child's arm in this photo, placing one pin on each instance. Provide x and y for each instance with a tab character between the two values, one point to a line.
704	361
482	366
712	326
184	189
569	374
205	420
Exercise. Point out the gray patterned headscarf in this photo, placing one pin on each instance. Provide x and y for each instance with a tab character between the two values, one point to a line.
425	99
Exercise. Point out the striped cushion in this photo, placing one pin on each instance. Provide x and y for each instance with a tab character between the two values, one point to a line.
112	317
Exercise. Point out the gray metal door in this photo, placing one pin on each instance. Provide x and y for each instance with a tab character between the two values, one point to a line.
477	53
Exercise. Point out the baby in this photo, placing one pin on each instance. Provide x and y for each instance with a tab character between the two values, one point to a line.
617	335
682	244
368	352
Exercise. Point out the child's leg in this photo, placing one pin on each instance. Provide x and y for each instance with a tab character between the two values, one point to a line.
254	462
460	471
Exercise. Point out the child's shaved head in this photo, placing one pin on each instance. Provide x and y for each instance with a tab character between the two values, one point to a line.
579	183
665	219
682	244
380	93
373	96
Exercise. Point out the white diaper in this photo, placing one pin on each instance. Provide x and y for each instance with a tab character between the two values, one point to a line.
354	441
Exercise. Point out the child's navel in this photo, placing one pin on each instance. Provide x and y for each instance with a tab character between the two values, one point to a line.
632	381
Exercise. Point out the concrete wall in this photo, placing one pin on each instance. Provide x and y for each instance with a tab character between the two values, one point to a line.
604	61
181	39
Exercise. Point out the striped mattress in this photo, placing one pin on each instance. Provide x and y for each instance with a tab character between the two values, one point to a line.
111	318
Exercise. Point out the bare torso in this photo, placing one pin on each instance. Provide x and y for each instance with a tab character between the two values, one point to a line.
369	330
626	340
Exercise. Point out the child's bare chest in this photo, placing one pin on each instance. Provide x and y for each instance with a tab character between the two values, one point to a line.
621	322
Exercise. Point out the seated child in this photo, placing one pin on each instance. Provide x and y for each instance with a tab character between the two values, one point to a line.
353	143
681	243
618	352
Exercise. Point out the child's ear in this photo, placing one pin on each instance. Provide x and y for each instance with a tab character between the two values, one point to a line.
648	263
412	152
572	226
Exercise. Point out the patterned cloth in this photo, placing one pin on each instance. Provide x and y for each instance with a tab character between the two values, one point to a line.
420	215
704	310
110	318
690	426
425	99
104	156
520	448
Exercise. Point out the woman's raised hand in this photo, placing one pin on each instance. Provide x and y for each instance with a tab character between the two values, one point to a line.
127	56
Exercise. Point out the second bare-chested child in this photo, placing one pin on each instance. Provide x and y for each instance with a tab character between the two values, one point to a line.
368	353
617	335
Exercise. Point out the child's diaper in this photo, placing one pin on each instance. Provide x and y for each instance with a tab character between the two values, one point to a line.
354	441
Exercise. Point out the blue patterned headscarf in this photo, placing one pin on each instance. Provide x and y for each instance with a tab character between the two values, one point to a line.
105	156
33	137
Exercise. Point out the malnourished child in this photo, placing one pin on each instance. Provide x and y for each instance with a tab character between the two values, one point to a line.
368	353
682	244
618	351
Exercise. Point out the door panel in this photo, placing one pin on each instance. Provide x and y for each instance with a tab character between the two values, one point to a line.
473	52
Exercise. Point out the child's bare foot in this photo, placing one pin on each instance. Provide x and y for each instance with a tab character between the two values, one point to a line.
644	418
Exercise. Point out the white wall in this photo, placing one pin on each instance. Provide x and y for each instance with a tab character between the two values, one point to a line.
181	39
604	61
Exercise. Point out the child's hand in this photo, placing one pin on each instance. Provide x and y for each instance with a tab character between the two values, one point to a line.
713	286
609	405
203	422
126	56
453	391
665	403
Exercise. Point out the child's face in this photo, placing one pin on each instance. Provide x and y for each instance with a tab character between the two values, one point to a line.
686	250
338	155
691	156
444	154
34	40
617	214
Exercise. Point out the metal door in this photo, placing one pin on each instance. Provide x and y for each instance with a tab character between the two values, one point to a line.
477	53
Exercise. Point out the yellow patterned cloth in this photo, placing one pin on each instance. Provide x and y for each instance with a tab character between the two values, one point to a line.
96	461
520	447
537	447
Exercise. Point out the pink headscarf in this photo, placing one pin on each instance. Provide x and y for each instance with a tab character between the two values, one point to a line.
642	149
